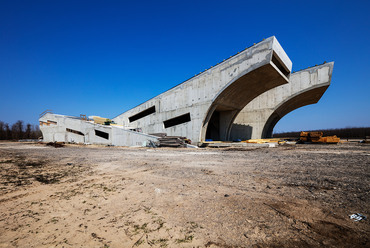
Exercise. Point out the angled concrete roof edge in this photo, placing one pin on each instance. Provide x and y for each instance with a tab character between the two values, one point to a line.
269	39
331	64
56	115
313	87
316	67
281	53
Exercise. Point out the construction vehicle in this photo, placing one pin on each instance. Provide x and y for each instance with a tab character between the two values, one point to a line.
317	137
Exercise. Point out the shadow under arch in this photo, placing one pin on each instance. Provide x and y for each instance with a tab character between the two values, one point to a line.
310	96
227	104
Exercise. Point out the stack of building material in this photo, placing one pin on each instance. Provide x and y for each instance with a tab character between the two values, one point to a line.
172	141
262	141
159	134
317	137
99	120
330	139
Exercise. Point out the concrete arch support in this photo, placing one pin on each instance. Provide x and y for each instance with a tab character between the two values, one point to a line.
235	96
260	116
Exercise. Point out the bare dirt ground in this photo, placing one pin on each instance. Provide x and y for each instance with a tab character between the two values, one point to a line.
86	196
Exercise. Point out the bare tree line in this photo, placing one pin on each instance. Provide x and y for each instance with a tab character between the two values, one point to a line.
19	131
344	133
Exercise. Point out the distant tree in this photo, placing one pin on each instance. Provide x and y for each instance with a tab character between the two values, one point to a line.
8	132
27	133
17	130
2	130
36	133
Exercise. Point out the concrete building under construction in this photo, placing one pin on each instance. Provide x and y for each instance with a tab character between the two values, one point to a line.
242	97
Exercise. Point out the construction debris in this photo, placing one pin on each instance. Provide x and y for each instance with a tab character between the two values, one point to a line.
357	217
159	134
55	144
100	120
173	141
262	141
317	137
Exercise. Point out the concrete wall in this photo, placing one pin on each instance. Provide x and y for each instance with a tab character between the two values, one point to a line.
57	131
214	90
259	117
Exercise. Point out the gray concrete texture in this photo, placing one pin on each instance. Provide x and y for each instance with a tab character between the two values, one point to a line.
241	97
221	91
260	116
61	128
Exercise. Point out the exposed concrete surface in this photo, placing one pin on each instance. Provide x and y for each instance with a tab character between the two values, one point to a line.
57	131
259	117
225	88
243	97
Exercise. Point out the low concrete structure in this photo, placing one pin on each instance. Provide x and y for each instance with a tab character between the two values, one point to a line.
61	128
206	106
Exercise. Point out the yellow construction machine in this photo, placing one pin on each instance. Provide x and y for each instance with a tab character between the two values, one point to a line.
317	137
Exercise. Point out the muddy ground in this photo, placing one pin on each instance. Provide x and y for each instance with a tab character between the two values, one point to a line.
89	196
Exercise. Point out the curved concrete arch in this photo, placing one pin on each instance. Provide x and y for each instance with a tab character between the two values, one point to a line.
251	90
310	96
190	106
259	117
232	98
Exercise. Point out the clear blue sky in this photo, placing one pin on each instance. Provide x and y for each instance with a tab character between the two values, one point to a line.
105	57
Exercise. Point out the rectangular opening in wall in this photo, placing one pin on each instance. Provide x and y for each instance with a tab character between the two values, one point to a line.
177	120
74	131
52	122
101	134
142	114
277	61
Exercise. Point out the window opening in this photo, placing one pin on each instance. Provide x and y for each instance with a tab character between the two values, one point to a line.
74	131
177	120
101	134
142	114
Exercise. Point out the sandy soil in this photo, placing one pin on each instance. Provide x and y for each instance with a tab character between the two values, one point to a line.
86	196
